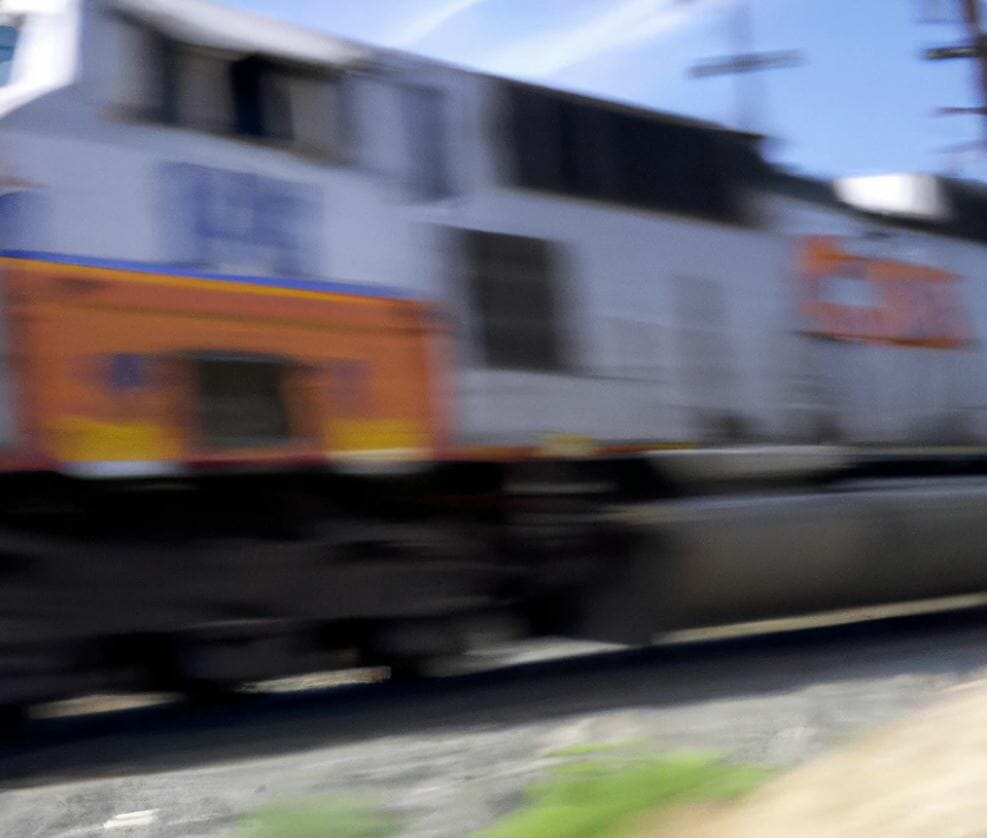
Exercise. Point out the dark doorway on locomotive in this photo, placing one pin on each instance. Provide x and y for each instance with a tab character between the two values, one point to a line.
242	399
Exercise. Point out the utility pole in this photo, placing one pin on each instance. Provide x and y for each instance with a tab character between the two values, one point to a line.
745	65
976	48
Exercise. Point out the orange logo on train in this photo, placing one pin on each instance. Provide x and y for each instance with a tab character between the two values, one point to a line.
847	296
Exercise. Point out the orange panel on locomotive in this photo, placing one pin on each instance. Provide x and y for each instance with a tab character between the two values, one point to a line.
128	373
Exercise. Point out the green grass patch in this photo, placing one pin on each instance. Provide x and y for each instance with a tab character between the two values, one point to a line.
593	748
332	819
607	797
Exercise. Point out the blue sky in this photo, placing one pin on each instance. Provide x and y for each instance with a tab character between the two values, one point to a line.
861	101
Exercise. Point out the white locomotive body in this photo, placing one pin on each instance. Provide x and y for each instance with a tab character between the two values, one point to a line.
610	273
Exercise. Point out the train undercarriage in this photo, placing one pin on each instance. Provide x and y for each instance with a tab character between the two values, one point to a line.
199	586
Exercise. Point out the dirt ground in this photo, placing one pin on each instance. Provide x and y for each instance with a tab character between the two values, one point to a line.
925	775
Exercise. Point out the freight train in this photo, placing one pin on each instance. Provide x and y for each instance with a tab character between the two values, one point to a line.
311	349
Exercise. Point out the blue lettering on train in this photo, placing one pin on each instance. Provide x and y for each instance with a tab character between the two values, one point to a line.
241	222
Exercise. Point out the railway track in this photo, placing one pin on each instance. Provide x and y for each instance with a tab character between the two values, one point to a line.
461	747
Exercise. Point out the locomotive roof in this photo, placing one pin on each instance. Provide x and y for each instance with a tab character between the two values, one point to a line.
947	206
208	24
211	24
397	61
931	203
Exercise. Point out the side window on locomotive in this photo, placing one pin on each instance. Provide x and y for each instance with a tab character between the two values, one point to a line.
261	103
570	146
194	86
514	300
196	91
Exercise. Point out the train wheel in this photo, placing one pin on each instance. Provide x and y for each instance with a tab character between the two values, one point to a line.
13	717
409	648
176	668
408	669
206	694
